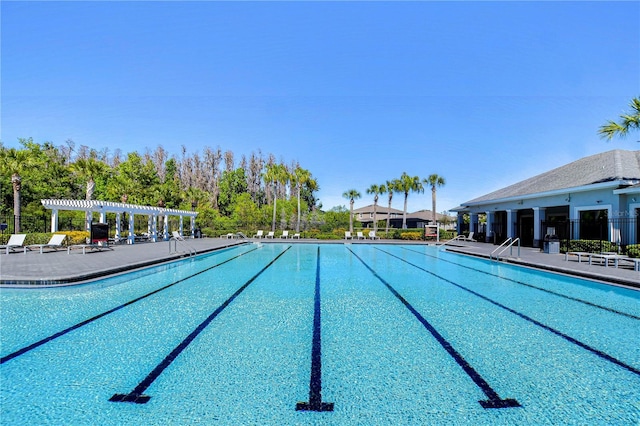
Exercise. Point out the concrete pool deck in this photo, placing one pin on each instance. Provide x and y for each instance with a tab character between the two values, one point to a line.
61	267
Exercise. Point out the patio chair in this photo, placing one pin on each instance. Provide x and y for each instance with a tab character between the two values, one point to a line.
360	235
259	234
285	234
177	236
270	234
54	243
373	236
296	235
16	241
469	238
347	235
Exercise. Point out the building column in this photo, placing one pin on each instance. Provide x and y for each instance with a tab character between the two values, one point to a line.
538	216
54	220
473	219
459	225
181	225
193	227
489	236
510	233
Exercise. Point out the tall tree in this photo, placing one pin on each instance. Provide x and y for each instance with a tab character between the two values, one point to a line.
630	121
300	177
275	174
351	195
15	162
376	190
434	181
408	184
89	169
389	188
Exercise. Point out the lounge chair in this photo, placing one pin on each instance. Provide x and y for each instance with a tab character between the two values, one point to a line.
296	235
469	238
347	235
373	236
16	241
259	234
360	235
270	234
91	247
54	243
177	236
285	234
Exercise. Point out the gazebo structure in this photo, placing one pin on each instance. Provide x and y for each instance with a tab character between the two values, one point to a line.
157	231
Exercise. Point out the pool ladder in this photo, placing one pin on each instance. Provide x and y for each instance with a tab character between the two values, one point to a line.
509	242
183	243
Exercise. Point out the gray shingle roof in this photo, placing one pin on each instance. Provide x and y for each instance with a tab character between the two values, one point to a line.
604	167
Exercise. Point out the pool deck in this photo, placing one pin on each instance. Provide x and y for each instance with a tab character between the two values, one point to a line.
62	267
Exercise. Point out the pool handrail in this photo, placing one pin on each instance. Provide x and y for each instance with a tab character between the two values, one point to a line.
457	237
510	242
192	251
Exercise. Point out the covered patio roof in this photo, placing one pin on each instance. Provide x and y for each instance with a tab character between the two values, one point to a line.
104	207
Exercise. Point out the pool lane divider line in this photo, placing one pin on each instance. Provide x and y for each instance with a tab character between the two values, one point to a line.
568	338
137	394
575	299
494	400
110	311
315	383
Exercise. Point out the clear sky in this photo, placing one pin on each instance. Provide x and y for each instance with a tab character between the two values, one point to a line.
484	94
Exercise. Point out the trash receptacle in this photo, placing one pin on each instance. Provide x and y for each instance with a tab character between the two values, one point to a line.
551	244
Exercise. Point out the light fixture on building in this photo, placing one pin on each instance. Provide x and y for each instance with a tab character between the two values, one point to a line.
568	199
598	201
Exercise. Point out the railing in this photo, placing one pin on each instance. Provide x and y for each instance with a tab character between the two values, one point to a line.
457	237
192	251
509	242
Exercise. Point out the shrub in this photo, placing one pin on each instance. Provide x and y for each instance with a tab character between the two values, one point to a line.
633	250
414	236
589	246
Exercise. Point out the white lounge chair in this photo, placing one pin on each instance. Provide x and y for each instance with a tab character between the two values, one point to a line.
259	234
469	238
347	235
15	242
296	235
54	243
373	236
285	234
177	236
270	234
360	235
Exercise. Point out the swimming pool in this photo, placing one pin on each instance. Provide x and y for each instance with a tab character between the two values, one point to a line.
323	334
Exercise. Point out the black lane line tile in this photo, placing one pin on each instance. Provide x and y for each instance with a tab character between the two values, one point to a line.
494	400
586	302
137	394
568	338
110	311
315	383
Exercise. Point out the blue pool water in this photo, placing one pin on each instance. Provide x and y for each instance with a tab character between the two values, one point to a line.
274	334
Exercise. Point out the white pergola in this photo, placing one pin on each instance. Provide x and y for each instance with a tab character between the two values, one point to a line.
104	207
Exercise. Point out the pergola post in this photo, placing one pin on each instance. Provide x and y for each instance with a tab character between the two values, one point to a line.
54	220
193	227
165	231
132	237
154	228
118	224
181	224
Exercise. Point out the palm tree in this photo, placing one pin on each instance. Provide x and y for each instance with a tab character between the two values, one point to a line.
408	184
300	177
375	190
434	180
390	188
626	123
351	195
89	168
276	174
15	162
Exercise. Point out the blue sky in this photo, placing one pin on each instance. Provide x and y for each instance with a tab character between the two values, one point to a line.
484	94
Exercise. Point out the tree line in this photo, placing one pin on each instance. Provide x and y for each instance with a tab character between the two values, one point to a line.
255	191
